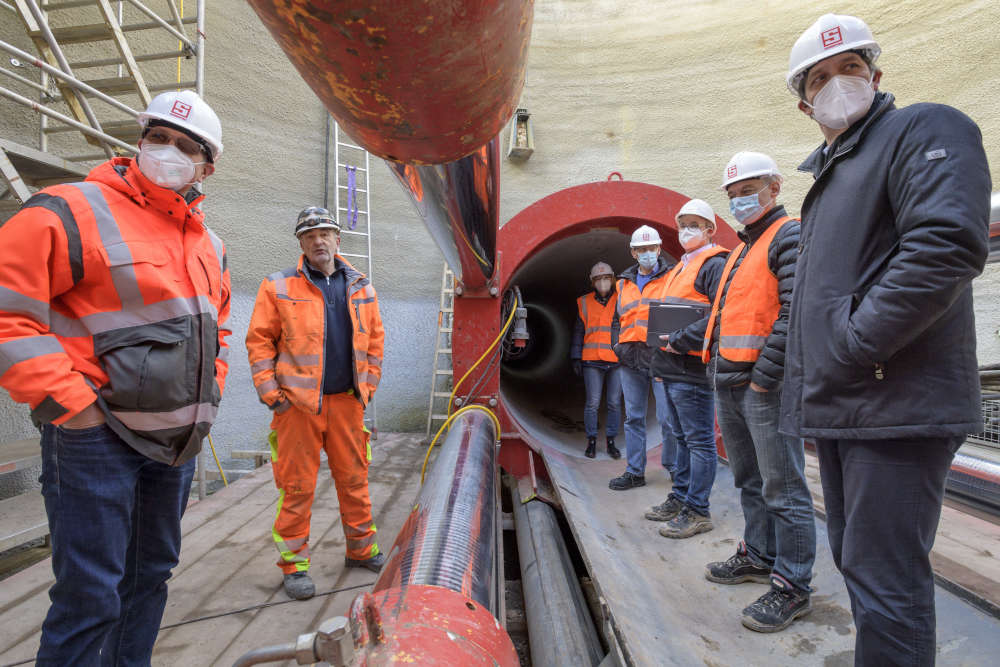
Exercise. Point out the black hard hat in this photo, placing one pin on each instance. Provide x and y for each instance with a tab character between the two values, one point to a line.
315	217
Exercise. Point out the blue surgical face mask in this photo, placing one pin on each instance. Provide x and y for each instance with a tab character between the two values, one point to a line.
747	209
647	260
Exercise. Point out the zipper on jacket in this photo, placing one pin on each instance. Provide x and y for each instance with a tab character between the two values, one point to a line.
207	278
879	371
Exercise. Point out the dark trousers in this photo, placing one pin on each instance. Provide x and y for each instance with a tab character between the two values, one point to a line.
115	520
883	502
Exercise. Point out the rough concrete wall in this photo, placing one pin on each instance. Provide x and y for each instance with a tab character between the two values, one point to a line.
663	92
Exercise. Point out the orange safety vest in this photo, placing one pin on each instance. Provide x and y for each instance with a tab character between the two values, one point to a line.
633	307
679	286
751	303
113	289
285	340
597	321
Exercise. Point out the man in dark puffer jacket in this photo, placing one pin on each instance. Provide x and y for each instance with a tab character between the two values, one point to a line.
882	342
745	350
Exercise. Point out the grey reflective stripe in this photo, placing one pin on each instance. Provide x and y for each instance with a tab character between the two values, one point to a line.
220	252
22	349
629	306
369	378
263	365
266	387
743	342
647	302
296	381
161	421
298	359
597	346
591	330
374	361
682	302
369	299
355	543
119	255
583	307
148	314
15	302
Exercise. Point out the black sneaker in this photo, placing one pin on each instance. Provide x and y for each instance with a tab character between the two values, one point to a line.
612	450
591	448
739	568
666	510
776	609
687	524
627	481
374	563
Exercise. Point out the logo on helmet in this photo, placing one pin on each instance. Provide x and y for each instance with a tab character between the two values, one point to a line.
645	236
831	37
731	171
180	110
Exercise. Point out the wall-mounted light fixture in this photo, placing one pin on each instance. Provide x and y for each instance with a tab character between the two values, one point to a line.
522	141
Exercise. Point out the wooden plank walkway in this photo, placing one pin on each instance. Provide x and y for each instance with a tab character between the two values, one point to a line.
227	564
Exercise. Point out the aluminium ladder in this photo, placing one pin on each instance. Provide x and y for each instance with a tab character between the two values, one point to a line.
442	375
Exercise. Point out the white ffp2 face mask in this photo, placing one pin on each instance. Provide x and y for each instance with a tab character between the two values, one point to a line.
166	165
842	101
603	286
690	236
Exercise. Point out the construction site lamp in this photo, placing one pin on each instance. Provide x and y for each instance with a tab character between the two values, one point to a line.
522	140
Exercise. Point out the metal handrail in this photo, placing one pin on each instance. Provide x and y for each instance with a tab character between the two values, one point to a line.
163	24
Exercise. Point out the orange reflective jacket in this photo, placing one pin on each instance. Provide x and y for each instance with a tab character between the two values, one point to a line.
633	307
285	341
751	303
597	320
679	285
114	288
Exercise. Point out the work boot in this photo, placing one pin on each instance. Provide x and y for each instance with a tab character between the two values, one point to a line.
776	609
739	568
591	448
299	586
627	481
374	563
612	450
687	524
666	510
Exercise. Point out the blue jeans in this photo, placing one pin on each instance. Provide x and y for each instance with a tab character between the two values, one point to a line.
668	448
691	414
883	501
769	470
595	379
114	517
635	389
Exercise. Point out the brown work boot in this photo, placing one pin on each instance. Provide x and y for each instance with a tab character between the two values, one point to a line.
666	510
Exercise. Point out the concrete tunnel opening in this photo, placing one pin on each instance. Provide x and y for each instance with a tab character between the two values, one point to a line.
537	384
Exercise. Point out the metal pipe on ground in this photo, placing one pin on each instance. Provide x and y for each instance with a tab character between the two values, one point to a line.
560	629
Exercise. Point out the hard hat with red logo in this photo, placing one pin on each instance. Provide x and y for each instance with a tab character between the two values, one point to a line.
186	110
829	35
698	207
748	164
601	269
645	235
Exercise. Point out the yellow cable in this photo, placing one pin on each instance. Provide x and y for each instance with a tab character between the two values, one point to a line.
427	456
225	482
496	340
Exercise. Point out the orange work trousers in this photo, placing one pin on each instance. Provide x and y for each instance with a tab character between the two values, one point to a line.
296	442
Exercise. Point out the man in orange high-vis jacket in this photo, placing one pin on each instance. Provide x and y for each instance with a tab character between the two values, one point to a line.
688	397
744	346
636	287
114	297
315	346
592	353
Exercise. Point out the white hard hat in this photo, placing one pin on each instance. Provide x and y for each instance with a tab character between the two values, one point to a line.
601	269
186	110
748	164
645	235
698	207
829	35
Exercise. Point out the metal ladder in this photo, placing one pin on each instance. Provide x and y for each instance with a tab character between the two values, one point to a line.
74	36
442	378
356	244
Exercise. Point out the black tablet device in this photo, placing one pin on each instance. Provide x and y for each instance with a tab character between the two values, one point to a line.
666	318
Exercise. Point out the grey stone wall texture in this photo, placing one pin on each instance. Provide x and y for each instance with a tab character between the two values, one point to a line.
663	92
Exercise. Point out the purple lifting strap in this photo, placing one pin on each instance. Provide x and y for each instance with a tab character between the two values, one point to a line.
352	197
